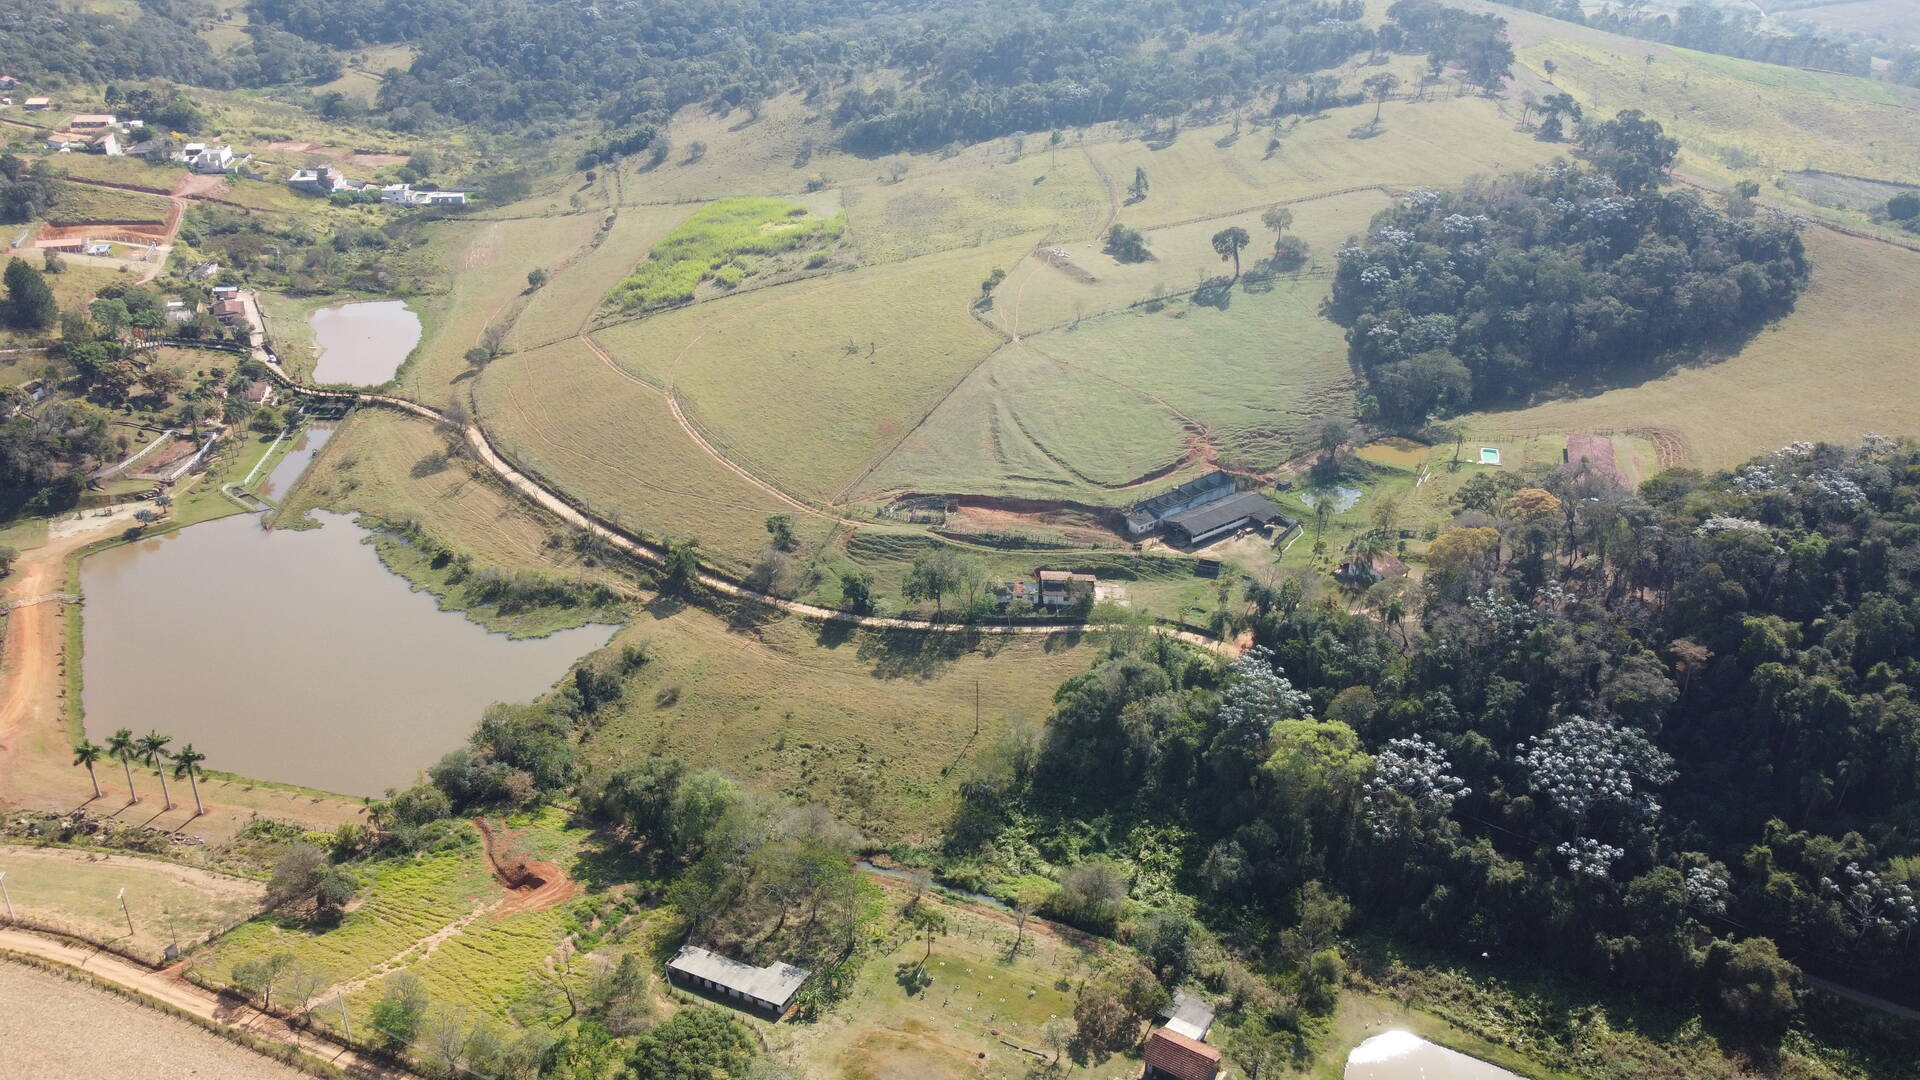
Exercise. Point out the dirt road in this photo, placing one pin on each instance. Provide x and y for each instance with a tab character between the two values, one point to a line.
182	995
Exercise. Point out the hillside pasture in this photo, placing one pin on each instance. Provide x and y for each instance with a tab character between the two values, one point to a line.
613	444
1207	172
563	308
1839	365
808	384
879	727
490	261
77	891
1055	192
83	204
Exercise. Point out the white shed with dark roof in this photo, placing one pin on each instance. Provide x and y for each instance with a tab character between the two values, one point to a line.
766	989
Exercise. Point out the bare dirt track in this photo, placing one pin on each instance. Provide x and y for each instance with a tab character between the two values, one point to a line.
122	1038
167	988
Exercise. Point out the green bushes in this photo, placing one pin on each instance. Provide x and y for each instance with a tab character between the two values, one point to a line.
717	244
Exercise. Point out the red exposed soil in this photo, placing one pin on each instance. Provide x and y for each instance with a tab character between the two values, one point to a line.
197	184
298	147
142	232
1071	526
532	885
1597	452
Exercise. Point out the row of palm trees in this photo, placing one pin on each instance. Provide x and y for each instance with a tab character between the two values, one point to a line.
149	750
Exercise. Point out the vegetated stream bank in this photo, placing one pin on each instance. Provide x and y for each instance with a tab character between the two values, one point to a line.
294	655
362	344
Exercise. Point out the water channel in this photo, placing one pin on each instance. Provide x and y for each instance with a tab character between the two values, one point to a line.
295	655
362	344
1402	1055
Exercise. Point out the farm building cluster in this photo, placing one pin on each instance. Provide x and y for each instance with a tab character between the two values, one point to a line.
1202	511
327	180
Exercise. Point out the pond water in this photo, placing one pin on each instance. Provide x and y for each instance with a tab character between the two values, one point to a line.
1343	497
362	344
306	443
295	655
1402	1055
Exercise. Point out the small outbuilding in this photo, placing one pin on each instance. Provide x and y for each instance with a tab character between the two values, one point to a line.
37	104
768	990
1187	1015
1059	588
1173	1056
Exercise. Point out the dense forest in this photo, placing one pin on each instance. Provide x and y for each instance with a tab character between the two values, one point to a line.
1568	273
1668	739
973	70
44	40
1728	31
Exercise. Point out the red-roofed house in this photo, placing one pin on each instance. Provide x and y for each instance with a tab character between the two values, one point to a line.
1173	1056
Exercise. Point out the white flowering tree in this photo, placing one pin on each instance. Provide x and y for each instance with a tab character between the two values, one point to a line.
1257	696
1411	771
1588	769
1875	905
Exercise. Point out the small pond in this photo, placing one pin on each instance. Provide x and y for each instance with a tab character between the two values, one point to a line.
1402	1055
362	344
1343	497
295	655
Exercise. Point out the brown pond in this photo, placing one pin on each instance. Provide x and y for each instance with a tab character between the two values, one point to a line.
295	655
362	344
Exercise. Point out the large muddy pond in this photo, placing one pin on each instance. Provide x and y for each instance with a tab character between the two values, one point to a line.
1402	1055
362	344
295	655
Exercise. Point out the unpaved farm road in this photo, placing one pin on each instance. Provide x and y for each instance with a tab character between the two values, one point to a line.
559	507
189	998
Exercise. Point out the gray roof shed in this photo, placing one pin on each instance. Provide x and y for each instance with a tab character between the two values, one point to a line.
769	987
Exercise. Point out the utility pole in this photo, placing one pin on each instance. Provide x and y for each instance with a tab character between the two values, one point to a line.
344	1022
123	909
6	896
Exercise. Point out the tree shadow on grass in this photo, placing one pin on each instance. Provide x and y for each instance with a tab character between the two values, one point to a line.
1216	293
915	654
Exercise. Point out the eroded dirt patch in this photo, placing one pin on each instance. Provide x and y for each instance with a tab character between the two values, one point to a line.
531	884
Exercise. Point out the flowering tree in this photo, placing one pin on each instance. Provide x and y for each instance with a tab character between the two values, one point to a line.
1874	905
1587	768
1257	697
1417	771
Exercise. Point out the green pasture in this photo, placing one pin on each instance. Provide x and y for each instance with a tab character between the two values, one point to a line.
724	244
880	727
580	280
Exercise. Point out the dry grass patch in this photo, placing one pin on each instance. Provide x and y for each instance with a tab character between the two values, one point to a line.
1839	365
564	306
809	384
76	891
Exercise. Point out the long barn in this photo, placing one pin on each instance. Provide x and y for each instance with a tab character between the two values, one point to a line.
769	990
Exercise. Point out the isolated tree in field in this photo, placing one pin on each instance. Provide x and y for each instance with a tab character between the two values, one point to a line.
122	746
856	591
1128	245
1552	108
1381	87
30	303
260	976
1334	433
780	527
1228	243
1137	190
939	573
86	752
305	876
187	763
683	565
1279	219
152	749
398	1014
1549	67
536	277
925	920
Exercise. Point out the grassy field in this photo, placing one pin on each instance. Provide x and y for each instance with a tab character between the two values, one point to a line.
568	303
960	1024
488	261
880	728
723	245
76	891
401	904
79	203
613	444
811	383
1840	365
1055	192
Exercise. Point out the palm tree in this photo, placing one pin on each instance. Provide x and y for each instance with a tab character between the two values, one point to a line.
1227	244
121	745
187	763
152	749
86	752
1279	219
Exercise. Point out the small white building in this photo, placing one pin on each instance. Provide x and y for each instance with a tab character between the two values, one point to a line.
201	158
